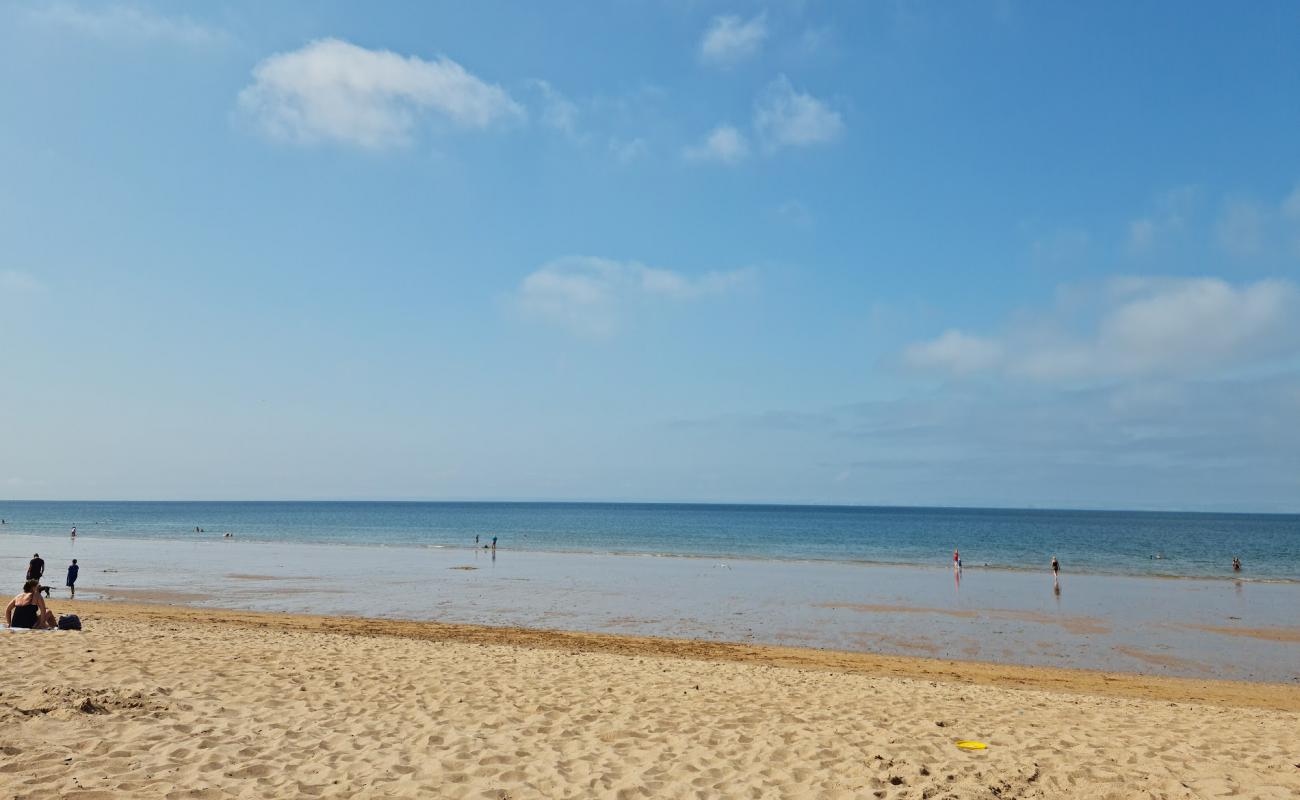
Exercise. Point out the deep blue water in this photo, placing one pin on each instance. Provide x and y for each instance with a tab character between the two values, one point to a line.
1114	542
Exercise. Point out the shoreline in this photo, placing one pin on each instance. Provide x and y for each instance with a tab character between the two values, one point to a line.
1066	680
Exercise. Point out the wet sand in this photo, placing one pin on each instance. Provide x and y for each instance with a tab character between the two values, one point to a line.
156	701
1193	628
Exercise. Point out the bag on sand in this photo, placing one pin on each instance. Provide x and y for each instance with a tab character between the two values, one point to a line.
69	622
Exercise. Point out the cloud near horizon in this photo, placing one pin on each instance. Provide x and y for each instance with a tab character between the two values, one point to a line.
1144	327
587	295
333	90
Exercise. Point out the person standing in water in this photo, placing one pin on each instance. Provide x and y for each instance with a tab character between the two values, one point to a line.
74	531
494	543
956	559
73	569
1056	573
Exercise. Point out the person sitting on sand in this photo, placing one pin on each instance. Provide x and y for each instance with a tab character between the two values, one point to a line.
27	610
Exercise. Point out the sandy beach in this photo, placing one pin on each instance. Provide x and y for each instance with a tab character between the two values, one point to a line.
155	701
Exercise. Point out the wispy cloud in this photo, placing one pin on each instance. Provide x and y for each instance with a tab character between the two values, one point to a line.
625	151
332	90
731	39
127	24
13	281
724	144
1168	218
955	352
1241	228
1249	229
786	117
795	213
588	295
559	113
1059	248
1144	327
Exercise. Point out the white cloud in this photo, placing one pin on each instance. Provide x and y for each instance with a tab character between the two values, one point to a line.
589	295
724	144
954	352
121	23
1145	327
785	117
730	39
335	90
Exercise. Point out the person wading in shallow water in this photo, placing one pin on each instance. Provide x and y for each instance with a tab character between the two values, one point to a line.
35	567
73	569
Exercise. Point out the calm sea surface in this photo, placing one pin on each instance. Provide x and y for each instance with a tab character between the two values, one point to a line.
1122	543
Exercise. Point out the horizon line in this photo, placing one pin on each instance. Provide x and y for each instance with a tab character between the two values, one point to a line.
702	503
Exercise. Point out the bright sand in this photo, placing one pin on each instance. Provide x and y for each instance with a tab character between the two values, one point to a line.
154	701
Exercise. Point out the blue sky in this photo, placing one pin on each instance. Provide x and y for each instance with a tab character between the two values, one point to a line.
993	253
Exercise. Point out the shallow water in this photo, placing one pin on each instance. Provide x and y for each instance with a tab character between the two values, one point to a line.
1120	623
1102	542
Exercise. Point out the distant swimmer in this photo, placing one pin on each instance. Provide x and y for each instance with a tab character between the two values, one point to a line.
1236	564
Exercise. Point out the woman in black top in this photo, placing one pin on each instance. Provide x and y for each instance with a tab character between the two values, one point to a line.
27	610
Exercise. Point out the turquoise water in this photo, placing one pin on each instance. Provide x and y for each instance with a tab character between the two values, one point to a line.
1101	542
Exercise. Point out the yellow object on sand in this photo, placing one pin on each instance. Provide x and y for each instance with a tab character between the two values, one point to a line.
968	745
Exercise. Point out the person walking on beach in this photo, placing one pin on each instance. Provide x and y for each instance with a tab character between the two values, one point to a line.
1056	573
35	567
73	569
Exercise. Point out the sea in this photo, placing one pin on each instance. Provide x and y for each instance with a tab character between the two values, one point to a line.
1166	544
